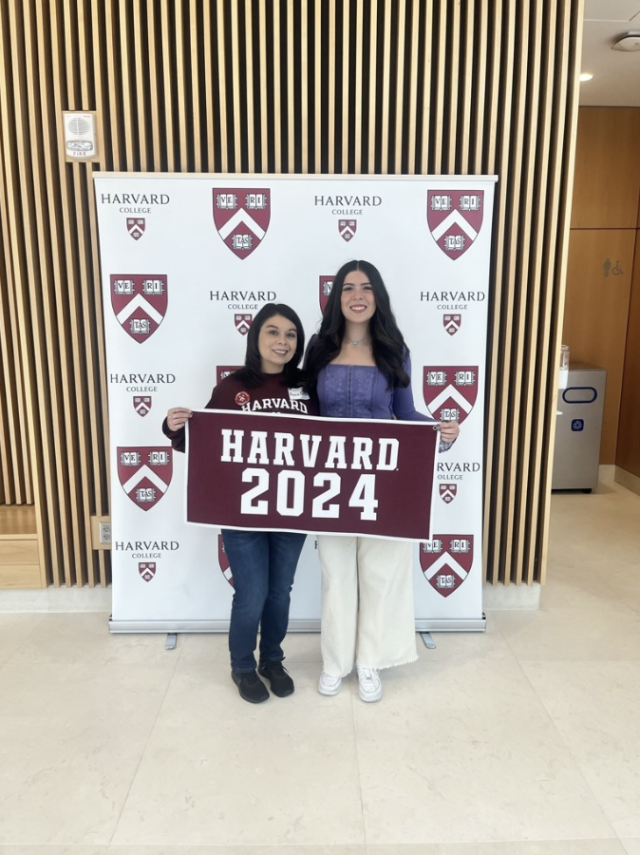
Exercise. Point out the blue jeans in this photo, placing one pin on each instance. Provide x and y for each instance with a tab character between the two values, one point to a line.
263	564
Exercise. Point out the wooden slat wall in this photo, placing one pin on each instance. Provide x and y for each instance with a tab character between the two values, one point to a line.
345	86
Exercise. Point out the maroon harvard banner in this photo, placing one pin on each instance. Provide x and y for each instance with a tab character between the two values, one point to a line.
302	473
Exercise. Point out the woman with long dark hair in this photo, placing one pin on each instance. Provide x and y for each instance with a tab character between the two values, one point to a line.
263	563
359	366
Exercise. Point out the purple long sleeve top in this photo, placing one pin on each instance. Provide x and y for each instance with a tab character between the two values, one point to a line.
362	392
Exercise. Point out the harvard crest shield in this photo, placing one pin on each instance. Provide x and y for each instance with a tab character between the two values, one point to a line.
347	229
139	302
446	561
145	473
242	322
147	570
223	371
142	404
136	227
447	492
325	285
455	219
450	391
224	561
242	217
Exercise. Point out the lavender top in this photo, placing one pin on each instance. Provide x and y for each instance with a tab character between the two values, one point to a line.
362	392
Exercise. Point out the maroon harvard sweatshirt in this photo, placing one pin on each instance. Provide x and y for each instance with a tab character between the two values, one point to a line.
271	396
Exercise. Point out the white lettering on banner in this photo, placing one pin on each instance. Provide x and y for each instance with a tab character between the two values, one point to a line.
362	448
309	445
309	455
232	444
291	489
278	404
284	444
336	458
258	452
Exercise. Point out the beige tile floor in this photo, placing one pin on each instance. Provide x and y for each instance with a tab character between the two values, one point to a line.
521	741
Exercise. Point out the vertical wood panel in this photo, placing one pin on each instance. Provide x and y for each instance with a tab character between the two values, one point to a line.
596	313
357	138
401	10
291	103
317	92
500	345
277	89
208	72
628	451
240	85
346	86
386	72
562	162
373	66
607	185
304	85
264	121
427	73
545	304
222	88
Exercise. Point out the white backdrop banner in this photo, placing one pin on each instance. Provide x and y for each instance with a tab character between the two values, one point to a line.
187	261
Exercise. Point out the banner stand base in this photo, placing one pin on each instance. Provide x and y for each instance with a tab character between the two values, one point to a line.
171	627
452	625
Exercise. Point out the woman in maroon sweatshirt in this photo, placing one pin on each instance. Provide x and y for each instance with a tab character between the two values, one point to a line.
263	563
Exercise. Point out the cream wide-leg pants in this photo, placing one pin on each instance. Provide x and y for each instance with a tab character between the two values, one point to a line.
367	603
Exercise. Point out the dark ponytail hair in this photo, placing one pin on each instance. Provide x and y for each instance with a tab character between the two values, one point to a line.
387	343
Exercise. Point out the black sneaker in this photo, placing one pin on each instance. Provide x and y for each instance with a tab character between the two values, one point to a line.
276	674
250	686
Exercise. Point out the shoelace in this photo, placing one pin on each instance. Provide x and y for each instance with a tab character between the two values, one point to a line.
367	674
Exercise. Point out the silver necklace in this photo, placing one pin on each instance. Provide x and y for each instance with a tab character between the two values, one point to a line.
358	340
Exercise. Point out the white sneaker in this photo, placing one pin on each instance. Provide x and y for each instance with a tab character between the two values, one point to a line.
370	684
328	685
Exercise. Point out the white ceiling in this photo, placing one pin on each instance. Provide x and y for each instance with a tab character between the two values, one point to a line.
616	74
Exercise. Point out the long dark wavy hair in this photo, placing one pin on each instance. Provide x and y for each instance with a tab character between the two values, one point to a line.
389	348
251	375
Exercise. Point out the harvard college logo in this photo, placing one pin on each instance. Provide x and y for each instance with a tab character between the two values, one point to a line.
347	229
454	218
145	474
325	285
139	302
448	492
450	391
136	227
223	371
451	323
242	217
446	561
142	404
224	561
147	570
242	322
